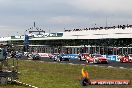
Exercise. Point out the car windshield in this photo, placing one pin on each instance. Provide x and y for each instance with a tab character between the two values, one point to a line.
55	53
98	55
59	54
85	54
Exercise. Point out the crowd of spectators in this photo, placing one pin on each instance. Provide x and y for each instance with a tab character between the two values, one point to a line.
100	28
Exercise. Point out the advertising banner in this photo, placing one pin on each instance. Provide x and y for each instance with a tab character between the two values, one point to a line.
73	56
44	55
111	57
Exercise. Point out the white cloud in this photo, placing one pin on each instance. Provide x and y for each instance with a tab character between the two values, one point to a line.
103	5
9	31
18	15
62	19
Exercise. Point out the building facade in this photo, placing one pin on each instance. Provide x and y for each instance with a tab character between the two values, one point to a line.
108	40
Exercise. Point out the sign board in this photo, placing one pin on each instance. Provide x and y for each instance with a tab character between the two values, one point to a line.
111	57
73	56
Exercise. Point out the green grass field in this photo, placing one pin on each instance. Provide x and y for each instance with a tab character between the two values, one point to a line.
55	75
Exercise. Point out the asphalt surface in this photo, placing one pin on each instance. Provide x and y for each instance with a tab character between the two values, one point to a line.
110	64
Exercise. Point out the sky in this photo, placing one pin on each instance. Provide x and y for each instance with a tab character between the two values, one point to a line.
16	16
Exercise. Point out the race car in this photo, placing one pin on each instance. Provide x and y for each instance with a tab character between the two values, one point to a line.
125	58
83	56
96	58
62	57
35	56
53	56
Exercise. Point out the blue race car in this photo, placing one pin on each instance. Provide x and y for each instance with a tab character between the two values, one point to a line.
62	57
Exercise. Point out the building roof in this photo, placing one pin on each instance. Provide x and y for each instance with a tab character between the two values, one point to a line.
114	33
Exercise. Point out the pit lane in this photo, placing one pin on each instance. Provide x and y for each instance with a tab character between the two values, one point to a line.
110	64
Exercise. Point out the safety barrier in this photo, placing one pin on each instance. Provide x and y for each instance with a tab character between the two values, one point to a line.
113	58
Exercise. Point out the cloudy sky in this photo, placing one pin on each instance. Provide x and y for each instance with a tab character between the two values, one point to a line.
16	16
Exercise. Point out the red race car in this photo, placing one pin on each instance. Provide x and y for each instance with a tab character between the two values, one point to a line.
83	56
96	58
125	58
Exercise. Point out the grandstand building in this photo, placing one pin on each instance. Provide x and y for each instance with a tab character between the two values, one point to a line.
103	40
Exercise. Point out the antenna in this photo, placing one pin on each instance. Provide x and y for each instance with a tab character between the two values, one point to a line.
34	24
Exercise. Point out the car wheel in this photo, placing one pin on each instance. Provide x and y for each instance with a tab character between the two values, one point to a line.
54	59
87	61
94	61
59	59
107	62
130	60
121	61
80	58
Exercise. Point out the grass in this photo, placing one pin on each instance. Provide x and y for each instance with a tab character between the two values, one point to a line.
55	75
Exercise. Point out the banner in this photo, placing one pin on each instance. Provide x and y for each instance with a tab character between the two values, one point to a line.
113	58
26	40
73	56
44	55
